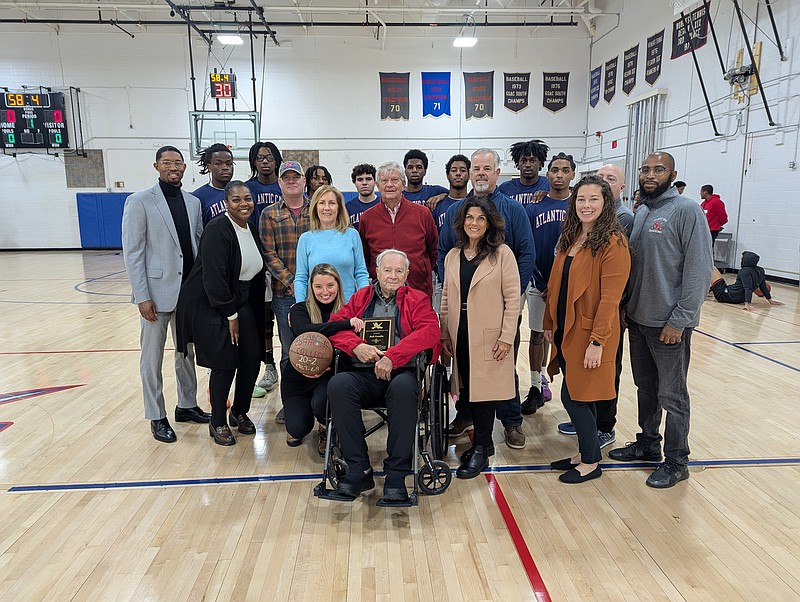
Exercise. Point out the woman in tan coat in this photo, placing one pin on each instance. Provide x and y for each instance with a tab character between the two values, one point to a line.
582	316
480	304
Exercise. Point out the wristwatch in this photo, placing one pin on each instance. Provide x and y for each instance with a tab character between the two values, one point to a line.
595	343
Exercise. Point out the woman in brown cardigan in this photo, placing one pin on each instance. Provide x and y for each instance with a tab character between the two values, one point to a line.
480	304
582	316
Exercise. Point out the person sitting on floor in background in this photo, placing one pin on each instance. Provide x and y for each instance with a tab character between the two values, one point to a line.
304	397
749	280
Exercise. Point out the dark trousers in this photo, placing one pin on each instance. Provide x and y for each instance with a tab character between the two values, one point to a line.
607	409
483	421
301	410
714	234
508	411
659	372
583	416
269	333
349	392
220	381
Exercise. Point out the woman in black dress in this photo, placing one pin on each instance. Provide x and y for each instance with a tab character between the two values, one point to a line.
221	310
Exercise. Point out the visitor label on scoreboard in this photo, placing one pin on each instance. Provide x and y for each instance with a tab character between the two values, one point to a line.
554	91
690	32
610	83
479	94
515	93
394	96
630	60
655	53
595	80
435	93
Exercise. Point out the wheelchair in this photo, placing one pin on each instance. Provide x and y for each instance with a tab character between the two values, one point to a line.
432	475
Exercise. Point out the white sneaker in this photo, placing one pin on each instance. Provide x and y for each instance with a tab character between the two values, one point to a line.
270	379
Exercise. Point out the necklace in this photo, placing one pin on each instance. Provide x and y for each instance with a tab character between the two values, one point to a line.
469	254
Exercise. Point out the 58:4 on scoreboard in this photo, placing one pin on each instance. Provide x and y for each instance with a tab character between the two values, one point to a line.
33	120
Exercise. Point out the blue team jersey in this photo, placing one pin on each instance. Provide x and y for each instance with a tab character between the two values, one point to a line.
424	193
546	219
441	209
355	208
212	202
521	193
264	195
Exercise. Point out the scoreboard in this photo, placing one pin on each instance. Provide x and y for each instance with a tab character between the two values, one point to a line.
32	120
223	85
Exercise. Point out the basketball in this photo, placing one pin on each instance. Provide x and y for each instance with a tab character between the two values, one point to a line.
311	353
759	293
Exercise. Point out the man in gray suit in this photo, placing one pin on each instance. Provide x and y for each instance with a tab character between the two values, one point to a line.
161	230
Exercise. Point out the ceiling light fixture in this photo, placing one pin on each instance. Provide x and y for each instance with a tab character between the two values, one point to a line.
465	38
229	39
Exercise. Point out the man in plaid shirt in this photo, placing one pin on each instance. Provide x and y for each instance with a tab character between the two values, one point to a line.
280	225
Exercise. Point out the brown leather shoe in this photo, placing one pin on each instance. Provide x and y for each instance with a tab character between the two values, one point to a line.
322	440
245	425
459	426
515	438
222	435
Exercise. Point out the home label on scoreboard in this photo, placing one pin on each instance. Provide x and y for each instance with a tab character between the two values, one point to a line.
223	85
29	120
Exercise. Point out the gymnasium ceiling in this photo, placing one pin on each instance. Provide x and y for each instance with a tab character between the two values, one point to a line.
285	20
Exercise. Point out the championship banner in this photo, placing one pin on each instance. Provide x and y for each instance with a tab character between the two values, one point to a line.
516	88
394	95
655	53
554	91
610	84
435	93
697	35
479	94
594	85
630	60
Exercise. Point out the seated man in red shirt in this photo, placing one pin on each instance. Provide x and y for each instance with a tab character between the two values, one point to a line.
396	223
416	328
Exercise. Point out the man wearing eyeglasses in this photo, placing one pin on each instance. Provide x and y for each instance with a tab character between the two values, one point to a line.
671	266
161	230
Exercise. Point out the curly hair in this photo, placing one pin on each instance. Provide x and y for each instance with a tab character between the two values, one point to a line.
607	223
531	148
495	227
311	172
208	154
276	154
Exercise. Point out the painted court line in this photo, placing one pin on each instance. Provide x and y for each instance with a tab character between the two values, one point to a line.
742	347
721	463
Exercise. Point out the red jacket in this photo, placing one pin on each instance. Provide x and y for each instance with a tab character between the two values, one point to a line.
413	232
714	209
419	325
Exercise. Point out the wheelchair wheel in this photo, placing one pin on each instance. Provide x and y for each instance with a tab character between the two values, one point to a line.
438	412
337	467
435	478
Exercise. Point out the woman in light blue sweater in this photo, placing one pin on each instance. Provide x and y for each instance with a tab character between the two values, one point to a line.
330	240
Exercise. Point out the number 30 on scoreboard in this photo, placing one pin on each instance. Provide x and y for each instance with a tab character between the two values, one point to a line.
223	85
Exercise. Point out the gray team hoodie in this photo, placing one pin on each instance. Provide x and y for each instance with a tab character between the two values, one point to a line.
671	262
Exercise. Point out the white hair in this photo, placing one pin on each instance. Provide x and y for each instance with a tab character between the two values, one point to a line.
388	168
386	252
487	151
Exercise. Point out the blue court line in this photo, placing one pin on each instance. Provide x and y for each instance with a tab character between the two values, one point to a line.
78	286
743	348
315	476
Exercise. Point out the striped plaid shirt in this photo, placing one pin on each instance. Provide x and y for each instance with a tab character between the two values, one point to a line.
280	231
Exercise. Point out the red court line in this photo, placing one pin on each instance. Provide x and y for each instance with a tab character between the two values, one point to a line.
534	576
5	425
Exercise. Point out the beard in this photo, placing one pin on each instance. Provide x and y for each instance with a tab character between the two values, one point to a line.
657	191
480	188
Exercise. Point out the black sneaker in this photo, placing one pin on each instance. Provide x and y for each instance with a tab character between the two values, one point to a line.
667	475
533	401
633	452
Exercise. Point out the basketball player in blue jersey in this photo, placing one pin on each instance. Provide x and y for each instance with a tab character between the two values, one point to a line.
457	171
263	183
546	218
529	157
217	160
416	165
363	177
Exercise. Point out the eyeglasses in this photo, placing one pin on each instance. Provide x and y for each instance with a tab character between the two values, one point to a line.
169	164
658	170
262	158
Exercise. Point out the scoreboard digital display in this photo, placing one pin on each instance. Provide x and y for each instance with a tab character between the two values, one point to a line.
223	85
29	120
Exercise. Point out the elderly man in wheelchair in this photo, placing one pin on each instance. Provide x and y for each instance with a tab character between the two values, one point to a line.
406	325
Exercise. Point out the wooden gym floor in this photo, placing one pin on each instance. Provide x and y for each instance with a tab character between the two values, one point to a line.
91	507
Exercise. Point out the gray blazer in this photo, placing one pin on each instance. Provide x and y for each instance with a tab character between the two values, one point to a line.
151	249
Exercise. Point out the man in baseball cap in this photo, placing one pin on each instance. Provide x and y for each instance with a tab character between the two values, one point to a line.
289	166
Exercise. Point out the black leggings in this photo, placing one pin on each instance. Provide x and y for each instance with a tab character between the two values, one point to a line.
269	324
220	381
301	410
